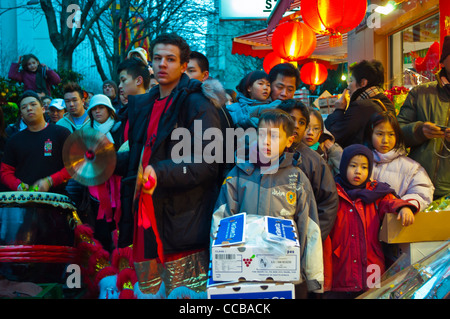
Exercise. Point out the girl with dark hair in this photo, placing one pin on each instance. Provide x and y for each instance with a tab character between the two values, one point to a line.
365	97
252	100
406	176
34	75
318	138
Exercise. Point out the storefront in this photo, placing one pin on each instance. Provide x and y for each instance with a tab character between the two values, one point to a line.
407	41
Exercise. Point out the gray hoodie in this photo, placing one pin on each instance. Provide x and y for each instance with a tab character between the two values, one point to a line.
286	193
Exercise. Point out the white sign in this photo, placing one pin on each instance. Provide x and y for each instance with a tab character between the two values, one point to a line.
246	9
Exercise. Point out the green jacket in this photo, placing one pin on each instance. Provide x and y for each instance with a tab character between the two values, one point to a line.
429	102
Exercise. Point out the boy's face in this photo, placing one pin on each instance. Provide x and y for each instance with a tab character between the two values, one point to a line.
283	88
128	85
109	91
195	72
313	131
300	125
272	140
358	170
167	65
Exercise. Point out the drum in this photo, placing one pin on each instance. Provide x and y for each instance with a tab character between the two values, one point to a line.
36	236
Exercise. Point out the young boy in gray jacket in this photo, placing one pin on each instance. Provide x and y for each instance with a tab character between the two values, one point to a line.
268	184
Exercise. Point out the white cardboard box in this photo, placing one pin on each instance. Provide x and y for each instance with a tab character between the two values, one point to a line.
417	251
236	257
252	290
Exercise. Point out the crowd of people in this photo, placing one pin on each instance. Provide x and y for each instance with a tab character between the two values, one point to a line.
335	178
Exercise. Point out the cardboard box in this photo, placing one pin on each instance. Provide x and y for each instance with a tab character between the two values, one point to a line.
238	258
416	251
252	290
249	290
428	226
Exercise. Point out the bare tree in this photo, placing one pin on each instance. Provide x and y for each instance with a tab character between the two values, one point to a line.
149	18
65	35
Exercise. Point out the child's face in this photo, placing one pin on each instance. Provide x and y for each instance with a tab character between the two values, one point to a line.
300	125
383	137
32	65
358	170
272	140
313	131
260	90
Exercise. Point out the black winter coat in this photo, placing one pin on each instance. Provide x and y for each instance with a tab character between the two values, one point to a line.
348	126
186	193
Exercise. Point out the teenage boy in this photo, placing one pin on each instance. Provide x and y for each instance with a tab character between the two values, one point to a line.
198	66
33	157
314	166
284	192
185	191
76	116
284	79
134	78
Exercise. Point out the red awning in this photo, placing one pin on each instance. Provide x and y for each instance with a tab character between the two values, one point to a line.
259	44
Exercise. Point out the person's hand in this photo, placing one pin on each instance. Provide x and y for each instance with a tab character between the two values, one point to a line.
431	130
149	172
406	216
447	134
327	144
342	102
43	185
23	187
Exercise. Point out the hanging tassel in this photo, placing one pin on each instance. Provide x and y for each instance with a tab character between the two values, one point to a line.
335	40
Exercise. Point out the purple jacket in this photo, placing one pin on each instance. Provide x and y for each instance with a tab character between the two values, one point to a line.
29	78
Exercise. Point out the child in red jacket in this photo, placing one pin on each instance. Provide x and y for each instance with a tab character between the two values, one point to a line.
354	256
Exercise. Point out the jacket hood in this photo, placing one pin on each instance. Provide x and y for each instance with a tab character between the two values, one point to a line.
215	92
389	156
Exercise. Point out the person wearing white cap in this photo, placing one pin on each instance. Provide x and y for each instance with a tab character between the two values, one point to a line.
105	198
103	115
139	53
56	110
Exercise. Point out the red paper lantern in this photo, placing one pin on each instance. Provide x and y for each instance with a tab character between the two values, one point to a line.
314	74
333	17
293	41
273	59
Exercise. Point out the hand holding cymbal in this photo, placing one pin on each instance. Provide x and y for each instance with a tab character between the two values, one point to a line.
89	157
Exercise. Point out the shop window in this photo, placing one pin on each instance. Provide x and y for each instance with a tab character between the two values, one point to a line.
414	55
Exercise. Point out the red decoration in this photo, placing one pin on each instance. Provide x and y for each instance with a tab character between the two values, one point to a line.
273	59
333	17
293	41
313	73
430	61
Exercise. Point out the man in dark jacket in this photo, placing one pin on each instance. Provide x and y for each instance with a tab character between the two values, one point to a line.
425	122
348	121
185	192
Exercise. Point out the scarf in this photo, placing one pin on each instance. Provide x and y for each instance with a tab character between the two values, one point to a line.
41	80
105	128
367	191
366	93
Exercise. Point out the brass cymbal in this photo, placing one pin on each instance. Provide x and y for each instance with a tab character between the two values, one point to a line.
89	157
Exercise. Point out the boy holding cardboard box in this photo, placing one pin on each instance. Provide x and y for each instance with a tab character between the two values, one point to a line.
269	185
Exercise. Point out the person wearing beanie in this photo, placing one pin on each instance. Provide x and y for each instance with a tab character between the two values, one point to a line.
33	157
103	207
424	120
111	90
353	242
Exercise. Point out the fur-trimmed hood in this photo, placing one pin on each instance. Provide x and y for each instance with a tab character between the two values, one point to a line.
215	92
